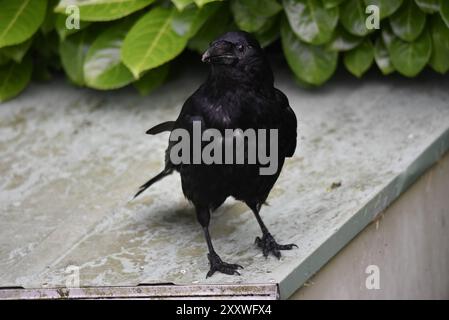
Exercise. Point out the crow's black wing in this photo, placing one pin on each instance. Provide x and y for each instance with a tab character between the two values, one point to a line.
190	112
287	126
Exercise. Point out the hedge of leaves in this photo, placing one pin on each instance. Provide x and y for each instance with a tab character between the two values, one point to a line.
122	42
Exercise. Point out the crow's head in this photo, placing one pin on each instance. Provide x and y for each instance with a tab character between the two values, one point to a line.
232	49
237	57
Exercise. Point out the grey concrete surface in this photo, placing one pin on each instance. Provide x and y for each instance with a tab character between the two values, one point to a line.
71	159
409	243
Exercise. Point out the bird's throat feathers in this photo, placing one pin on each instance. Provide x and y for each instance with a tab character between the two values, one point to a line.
254	75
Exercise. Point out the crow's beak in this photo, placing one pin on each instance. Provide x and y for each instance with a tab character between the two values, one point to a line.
220	52
206	56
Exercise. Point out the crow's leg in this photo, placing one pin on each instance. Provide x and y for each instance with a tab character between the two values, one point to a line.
267	242
216	264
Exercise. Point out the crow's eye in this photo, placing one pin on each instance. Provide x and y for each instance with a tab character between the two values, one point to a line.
240	47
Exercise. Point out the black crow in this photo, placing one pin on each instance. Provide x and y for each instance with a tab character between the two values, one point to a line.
238	93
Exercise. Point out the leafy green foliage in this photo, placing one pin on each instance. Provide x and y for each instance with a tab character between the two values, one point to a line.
121	42
14	77
219	22
311	64
189	21
409	58
152	79
63	31
382	57
386	7
353	17
310	20
444	11
439	60
18	51
359	59
201	3
19	20
409	22
252	16
152	41
3	59
269	33
159	36
429	6
73	52
328	4
102	10
343	40
182	4
49	21
103	68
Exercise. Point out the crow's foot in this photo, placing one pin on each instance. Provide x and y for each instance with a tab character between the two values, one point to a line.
268	244
216	264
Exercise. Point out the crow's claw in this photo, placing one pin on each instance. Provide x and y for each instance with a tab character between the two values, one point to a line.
268	244
216	264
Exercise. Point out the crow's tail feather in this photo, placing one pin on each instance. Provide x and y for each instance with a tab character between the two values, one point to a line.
161	127
158	177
